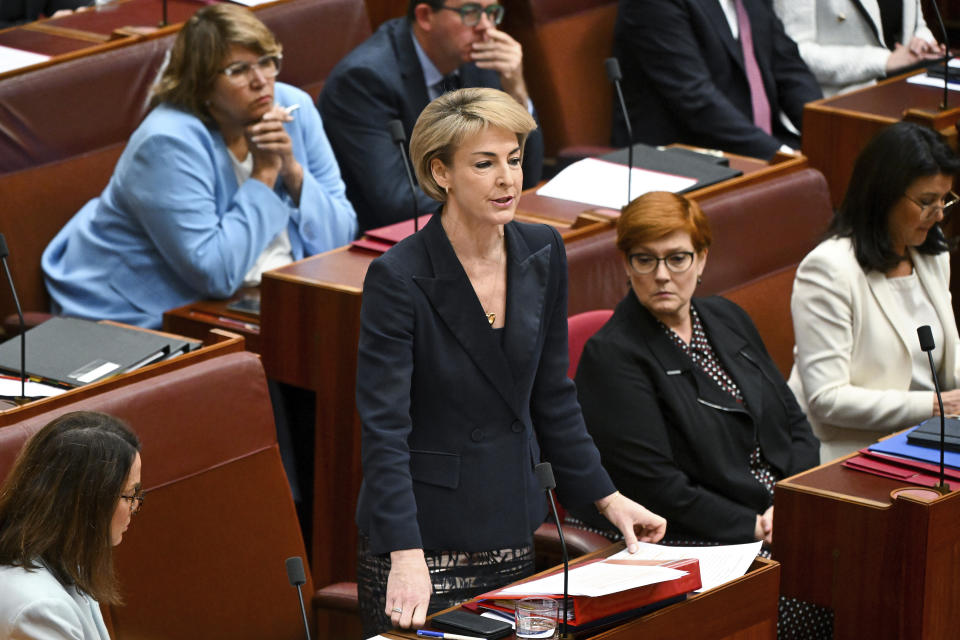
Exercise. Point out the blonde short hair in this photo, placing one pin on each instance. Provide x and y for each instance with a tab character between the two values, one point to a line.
453	117
199	54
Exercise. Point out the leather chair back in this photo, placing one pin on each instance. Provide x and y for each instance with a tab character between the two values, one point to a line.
580	328
204	558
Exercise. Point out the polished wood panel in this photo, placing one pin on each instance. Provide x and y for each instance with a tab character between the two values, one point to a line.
742	609
887	566
836	129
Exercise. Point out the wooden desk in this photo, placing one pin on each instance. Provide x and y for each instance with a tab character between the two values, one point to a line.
887	567
836	129
216	343
196	318
742	609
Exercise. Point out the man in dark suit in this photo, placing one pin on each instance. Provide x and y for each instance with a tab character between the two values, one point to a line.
408	62
689	75
14	12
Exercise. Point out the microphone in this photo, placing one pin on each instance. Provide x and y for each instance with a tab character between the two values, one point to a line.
297	577
946	68
925	335
400	139
4	252
614	76
544	473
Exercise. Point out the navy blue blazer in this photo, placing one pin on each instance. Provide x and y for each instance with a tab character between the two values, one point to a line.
454	419
685	80
379	81
672	439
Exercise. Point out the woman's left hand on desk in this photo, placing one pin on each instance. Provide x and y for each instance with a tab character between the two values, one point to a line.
633	520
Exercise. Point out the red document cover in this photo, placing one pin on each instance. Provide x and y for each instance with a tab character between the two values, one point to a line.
590	609
910	463
897	472
383	238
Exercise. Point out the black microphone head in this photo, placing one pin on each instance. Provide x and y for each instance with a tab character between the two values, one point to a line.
295	571
396	131
544	472
926	338
4	252
613	69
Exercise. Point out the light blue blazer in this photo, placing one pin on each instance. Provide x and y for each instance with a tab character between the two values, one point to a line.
172	226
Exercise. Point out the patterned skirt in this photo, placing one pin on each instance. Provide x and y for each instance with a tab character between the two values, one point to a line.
456	577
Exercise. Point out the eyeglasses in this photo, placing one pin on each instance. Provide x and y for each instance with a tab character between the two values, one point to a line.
930	209
242	72
136	501
645	264
470	13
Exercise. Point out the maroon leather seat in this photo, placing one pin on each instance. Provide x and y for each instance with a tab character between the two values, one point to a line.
205	556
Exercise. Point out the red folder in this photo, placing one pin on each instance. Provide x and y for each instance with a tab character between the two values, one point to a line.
586	609
897	472
383	238
912	463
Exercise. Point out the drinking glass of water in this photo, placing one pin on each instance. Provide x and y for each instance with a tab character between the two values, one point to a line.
536	618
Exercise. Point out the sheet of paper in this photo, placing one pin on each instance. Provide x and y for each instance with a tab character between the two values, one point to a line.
929	81
718	564
10	387
597	579
11	58
604	184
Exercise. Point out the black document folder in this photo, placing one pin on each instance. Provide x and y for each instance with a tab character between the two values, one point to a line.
928	434
705	169
76	352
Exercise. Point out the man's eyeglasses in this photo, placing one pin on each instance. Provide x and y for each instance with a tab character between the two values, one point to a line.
645	264
242	72
470	13
930	209
136	501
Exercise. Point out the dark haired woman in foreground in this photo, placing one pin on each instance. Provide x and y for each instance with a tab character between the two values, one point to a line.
66	503
860	295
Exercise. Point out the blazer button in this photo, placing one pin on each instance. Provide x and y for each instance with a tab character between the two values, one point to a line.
517	426
476	435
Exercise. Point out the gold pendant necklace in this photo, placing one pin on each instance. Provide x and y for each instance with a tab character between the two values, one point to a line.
491	318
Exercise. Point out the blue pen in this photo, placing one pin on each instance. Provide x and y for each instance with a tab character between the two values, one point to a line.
446	636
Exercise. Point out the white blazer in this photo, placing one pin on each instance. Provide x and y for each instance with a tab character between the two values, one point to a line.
842	46
852	361
35	606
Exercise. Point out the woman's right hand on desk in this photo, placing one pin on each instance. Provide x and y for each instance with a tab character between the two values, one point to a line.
408	588
951	403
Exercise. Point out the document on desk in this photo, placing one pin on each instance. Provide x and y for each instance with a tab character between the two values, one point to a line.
935	78
604	184
718	564
597	579
11	58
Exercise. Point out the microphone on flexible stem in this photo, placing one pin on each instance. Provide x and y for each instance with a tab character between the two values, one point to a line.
163	20
946	60
400	139
4	252
926	344
544	473
614	75
297	577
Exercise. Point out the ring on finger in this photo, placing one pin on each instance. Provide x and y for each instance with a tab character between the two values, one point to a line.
397	610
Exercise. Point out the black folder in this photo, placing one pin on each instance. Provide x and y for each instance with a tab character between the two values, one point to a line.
703	168
928	434
75	352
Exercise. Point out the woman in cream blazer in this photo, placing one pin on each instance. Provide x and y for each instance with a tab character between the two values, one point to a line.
842	41
860	295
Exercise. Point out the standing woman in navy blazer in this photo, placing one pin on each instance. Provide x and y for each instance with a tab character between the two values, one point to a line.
461	381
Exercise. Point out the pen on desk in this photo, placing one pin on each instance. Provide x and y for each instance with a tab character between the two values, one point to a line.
448	636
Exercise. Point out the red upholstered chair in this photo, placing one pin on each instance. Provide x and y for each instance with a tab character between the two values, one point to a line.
579	329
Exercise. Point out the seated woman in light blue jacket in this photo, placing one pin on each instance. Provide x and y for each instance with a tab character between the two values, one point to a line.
224	179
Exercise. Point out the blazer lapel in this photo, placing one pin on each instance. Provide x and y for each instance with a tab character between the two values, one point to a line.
871	12
934	288
734	353
414	86
527	276
718	20
891	308
452	297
